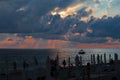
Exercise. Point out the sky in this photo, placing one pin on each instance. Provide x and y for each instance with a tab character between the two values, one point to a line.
59	24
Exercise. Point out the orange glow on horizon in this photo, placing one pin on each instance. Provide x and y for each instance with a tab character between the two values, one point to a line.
33	43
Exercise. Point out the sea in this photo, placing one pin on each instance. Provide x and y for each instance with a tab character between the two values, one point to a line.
9	56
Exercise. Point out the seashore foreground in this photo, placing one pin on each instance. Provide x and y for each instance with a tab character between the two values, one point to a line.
97	69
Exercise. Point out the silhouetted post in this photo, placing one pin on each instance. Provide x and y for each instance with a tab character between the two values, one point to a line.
94	62
69	62
88	71
91	59
77	64
57	62
115	56
77	61
36	61
6	67
101	59
25	65
80	60
81	69
105	58
57	66
98	59
109	58
116	59
14	66
69	66
83	74
48	68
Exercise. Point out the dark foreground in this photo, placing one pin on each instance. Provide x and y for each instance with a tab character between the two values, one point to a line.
96	69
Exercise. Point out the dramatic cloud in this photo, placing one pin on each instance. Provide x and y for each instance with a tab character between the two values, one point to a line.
81	21
106	27
69	11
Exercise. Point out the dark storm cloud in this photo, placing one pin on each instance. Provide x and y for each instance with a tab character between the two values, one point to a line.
23	15
32	16
61	26
101	28
106	27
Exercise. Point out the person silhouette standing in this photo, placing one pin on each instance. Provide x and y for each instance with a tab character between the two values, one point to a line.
64	63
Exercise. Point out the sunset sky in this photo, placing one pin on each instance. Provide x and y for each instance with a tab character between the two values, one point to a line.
59	24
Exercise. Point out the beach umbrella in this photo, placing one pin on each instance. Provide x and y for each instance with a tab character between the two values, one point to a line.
91	59
105	58
101	59
98	59
94	62
110	57
115	56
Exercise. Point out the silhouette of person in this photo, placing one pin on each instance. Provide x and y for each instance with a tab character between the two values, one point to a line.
64	63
